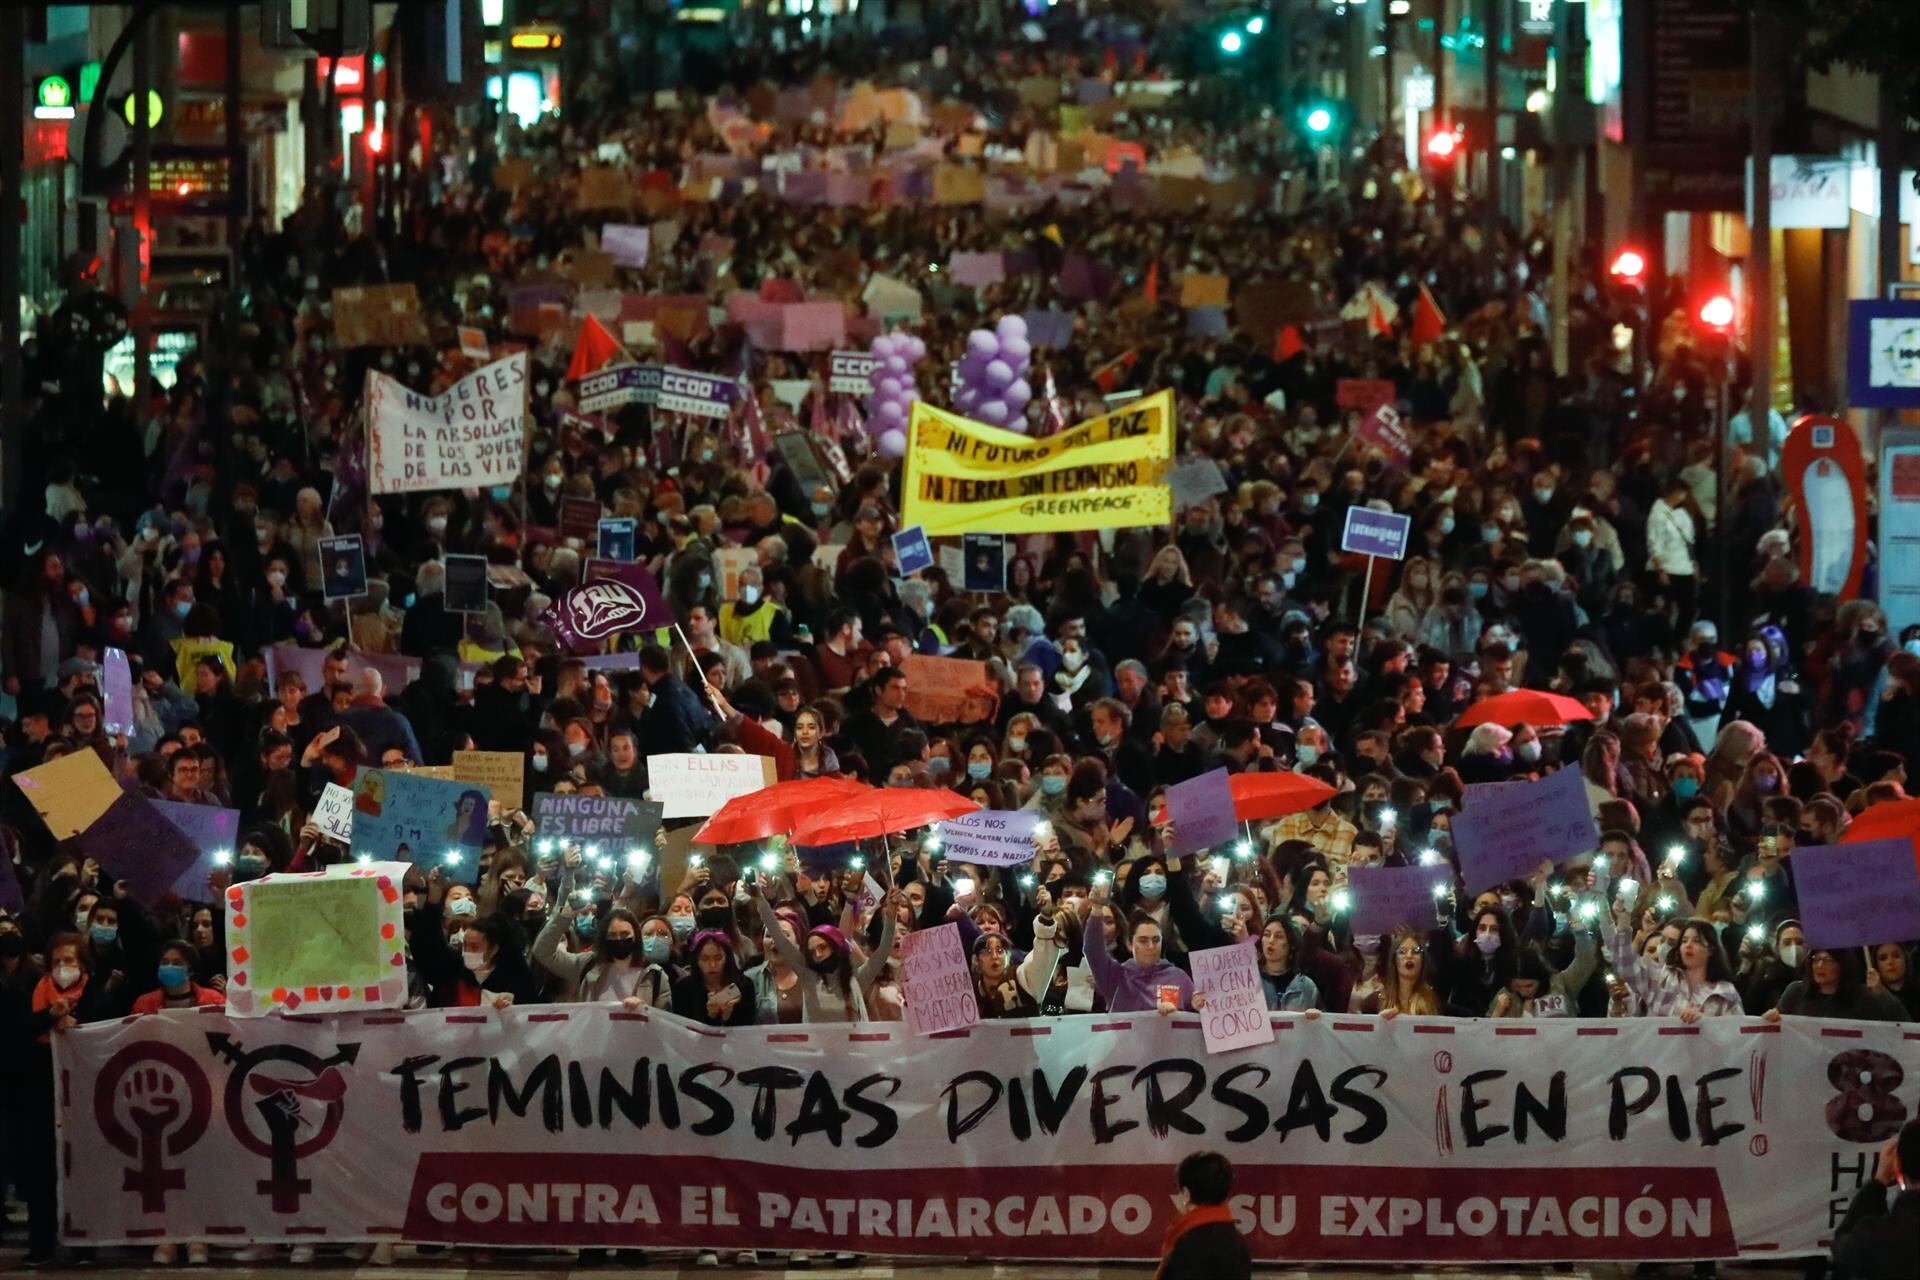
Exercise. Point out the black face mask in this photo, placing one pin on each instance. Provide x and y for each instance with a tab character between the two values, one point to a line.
409	918
622	948
714	918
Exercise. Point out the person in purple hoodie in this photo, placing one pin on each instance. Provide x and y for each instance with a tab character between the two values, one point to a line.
1145	984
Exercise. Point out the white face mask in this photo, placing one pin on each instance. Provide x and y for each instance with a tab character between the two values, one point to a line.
436	524
277	578
1791	954
749	594
474	960
65	975
552	481
1073	661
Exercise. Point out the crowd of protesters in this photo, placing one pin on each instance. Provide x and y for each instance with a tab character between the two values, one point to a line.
1563	530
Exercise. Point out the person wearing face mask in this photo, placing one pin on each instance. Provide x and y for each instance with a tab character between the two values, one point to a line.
177	989
1481	964
617	965
833	988
752	617
1147	982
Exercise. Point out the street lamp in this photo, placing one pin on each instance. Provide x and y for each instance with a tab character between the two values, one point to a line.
1716	317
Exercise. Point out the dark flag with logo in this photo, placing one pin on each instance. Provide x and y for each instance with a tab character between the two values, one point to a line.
616	600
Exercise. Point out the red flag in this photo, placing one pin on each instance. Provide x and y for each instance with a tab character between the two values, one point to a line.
1428	322
1377	321
1153	281
1287	344
1108	374
593	350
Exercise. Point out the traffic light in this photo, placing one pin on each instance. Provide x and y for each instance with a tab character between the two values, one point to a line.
1717	313
1629	266
1255	25
1443	144
1319	119
1231	42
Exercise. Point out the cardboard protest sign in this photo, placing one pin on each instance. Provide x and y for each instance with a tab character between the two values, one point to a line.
1194	480
116	693
1384	898
410	817
1264	309
70	793
1200	290
986	561
1508	834
1858	895
334	814
604	187
333	940
470	435
379	315
948	690
588	268
212	831
625	244
466	578
1201	811
940	979
502	773
826	557
977	270
511	175
911	551
1235	1012
991	837
695	784
343	568
890	298
578	819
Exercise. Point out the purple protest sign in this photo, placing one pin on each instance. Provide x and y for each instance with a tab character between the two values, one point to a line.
1201	810
619	603
214	833
1857	895
135	844
1385	898
116	690
1506	835
1376	533
704	395
1383	429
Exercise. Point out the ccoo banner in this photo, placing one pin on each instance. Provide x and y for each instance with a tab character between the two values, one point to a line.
1110	472
472	435
1410	1141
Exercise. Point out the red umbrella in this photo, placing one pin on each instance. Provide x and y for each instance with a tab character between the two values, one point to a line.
1523	706
775	810
1275	795
1888	820
881	813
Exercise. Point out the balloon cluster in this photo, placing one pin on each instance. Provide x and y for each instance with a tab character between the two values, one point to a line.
993	375
893	388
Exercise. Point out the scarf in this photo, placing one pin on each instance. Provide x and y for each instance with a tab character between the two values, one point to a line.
45	993
1202	1215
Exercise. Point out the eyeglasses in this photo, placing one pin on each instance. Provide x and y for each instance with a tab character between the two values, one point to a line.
1409	953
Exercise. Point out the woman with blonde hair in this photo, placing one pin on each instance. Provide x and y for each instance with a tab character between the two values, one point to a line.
1415	597
1406	981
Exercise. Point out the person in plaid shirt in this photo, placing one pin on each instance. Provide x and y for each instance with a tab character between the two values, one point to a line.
1694	982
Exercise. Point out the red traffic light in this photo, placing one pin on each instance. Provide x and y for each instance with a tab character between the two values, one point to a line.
1717	312
1631	264
1442	144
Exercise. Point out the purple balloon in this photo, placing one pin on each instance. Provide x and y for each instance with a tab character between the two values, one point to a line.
893	444
1018	393
1011	327
982	344
993	411
916	349
999	373
895	364
1016	352
889	387
891	413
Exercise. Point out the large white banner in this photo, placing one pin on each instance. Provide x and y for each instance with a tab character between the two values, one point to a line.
1354	1140
472	435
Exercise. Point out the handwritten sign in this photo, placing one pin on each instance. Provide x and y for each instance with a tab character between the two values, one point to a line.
1384	898
1858	895
577	819
1235	1016
693	784
334	814
1201	810
470	435
410	817
334	940
1505	836
213	832
502	773
939	983
379	315
991	837
947	690
1194	480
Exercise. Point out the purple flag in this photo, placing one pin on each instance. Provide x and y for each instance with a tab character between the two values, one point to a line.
618	600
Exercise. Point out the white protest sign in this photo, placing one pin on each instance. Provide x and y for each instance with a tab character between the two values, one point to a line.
472	435
1195	480
334	814
694	784
939	983
991	837
1235	1015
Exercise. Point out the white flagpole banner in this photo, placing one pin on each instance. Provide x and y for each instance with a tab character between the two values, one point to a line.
1354	1140
472	435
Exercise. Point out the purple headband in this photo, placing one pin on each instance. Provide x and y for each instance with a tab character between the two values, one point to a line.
835	939
701	938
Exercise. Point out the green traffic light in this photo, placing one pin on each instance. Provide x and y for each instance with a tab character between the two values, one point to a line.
1256	25
1319	120
1230	42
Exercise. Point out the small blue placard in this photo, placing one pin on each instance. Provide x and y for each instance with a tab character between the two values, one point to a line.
617	537
912	550
1883	355
1376	533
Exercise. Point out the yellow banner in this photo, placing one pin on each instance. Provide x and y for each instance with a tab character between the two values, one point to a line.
1107	473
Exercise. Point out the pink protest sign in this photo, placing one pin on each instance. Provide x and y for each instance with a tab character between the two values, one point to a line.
1233	1011
939	984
